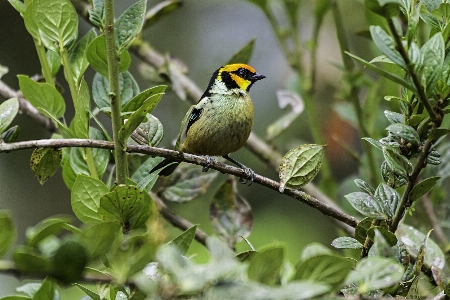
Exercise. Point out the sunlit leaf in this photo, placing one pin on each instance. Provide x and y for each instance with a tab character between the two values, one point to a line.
8	111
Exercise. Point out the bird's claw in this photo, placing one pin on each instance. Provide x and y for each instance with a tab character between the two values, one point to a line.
250	173
208	163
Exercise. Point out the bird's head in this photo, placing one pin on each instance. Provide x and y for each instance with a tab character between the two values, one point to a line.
240	76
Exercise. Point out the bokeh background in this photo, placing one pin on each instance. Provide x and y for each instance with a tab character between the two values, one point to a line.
203	34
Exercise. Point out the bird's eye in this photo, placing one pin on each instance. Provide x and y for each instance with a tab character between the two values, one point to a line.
242	72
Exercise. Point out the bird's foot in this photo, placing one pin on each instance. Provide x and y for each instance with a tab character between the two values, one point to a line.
208	163
250	173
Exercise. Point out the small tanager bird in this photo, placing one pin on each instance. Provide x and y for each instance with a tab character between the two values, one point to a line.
221	122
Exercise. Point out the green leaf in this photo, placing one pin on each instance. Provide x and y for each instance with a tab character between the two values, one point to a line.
394	117
54	61
88	292
30	263
364	186
184	240
137	101
98	59
18	5
230	214
138	116
244	54
78	55
80	121
7	232
100	89
98	238
330	269
387	45
69	261
42	95
422	188
129	24
46	291
388	236
300	165
361	229
346	242
313	250
10	135
397	162
85	198
265	267
385	8
96	14
45	228
412	238
101	156
187	183
149	133
388	198
433	52
436	133
375	143
431	4
373	273
127	206
366	205
405	132
8	111
141	175
160	10
56	21
44	162
393	77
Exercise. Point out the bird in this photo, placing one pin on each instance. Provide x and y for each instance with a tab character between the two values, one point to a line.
221	122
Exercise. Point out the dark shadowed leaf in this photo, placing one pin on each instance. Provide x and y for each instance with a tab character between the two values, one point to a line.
361	229
187	182
230	214
69	261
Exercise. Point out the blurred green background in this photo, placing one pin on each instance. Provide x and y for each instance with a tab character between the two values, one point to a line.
204	34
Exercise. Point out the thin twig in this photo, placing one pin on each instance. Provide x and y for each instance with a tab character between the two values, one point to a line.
437	228
190	158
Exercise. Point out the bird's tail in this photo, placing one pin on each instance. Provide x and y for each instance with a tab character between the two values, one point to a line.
169	165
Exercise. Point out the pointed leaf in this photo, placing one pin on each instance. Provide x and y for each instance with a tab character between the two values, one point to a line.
100	89
388	198
244	54
265	267
434	53
184	240
137	101
423	187
386	45
397	162
405	132
366	205
78	55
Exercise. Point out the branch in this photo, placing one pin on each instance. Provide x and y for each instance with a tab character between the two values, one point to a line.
185	157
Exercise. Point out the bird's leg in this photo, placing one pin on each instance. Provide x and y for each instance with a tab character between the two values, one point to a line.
208	162
247	170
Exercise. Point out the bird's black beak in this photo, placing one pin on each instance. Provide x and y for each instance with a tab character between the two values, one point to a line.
257	77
